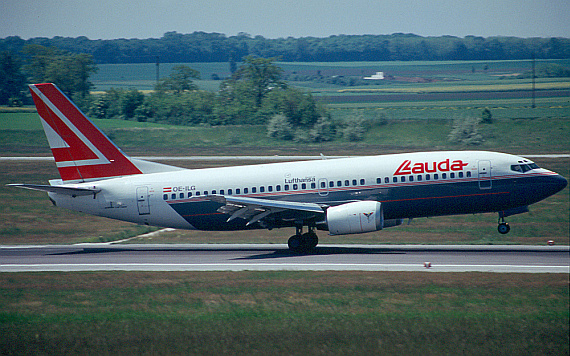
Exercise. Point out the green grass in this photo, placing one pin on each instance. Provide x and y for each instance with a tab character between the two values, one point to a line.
412	128
283	313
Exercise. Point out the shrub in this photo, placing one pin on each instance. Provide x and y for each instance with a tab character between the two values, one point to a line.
279	127
355	129
466	131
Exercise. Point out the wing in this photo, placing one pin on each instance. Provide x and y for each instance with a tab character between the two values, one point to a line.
254	209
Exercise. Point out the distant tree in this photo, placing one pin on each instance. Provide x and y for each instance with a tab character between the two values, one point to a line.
261	75
70	72
486	116
179	80
12	81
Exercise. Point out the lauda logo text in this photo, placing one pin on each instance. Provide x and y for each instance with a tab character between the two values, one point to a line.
429	167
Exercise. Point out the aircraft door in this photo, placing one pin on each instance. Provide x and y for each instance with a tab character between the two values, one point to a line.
485	181
323	186
142	201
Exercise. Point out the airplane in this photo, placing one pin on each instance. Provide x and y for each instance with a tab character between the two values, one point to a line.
342	196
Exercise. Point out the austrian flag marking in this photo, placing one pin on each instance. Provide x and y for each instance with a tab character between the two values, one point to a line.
429	167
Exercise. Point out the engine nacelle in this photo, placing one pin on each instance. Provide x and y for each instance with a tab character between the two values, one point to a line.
355	218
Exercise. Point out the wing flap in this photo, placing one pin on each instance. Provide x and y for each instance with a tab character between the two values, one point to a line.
255	209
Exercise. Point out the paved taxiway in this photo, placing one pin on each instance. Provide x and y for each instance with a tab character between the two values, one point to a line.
210	257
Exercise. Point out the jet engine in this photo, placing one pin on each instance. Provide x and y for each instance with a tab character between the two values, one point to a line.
355	218
358	217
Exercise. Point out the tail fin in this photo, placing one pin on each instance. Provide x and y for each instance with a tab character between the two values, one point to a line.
81	151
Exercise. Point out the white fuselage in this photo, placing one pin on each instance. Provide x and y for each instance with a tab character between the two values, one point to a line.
408	185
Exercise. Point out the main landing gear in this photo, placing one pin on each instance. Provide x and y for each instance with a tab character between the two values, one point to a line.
303	242
503	227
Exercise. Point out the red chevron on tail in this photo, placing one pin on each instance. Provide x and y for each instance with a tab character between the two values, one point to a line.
81	151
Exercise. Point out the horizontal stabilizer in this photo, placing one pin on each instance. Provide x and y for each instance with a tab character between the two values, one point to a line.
58	189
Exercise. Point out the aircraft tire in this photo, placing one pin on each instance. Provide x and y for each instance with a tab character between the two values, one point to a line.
504	228
295	243
311	240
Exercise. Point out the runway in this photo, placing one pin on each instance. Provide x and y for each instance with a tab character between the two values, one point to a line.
222	257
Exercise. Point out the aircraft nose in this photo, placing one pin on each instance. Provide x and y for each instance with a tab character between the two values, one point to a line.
557	182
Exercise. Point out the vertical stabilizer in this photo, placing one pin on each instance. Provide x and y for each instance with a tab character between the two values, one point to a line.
81	151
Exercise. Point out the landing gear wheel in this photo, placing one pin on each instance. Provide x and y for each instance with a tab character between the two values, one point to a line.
310	240
303	242
504	228
295	243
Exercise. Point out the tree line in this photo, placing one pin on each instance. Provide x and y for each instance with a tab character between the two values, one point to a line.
175	47
255	94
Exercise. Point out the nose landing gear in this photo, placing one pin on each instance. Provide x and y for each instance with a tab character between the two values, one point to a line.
503	227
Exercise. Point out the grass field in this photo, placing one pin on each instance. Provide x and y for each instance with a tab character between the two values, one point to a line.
283	313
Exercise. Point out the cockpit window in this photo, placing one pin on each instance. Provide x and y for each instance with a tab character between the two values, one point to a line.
522	168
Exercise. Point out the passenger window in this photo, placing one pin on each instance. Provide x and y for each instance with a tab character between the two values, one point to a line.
403	179
261	189
229	192
173	196
278	188
165	197
245	190
419	178
313	185
378	180
205	193
213	192
254	190
339	183
181	195
460	174
286	186
443	175
362	182
323	185
238	191
346	183
295	186
468	174
451	175
427	177
304	186
354	182
436	176
270	188
331	184
189	194
386	180
395	179
197	193
411	178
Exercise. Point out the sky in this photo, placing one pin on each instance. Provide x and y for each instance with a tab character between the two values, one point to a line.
111	19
